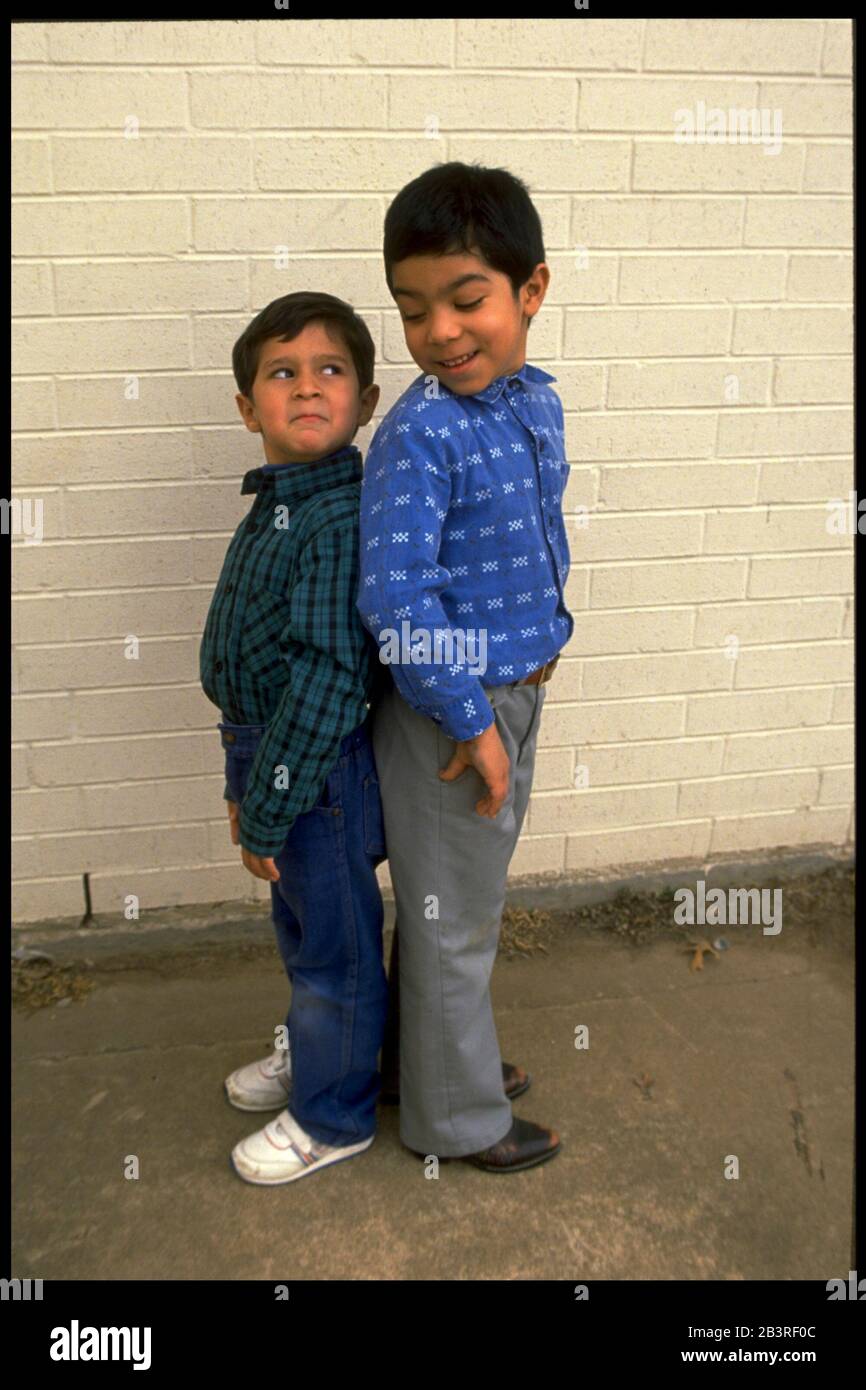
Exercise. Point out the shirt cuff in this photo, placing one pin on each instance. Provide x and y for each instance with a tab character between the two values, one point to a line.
259	841
465	717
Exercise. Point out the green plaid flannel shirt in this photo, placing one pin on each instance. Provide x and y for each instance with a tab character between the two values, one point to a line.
283	644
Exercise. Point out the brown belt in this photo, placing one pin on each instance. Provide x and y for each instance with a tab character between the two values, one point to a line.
543	674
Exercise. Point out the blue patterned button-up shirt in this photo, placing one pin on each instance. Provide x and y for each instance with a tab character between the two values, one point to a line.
461	531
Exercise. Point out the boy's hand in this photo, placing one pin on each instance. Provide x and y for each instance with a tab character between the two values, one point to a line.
259	866
486	753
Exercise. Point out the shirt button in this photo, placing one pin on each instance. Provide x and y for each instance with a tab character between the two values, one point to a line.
229	588
218	667
514	381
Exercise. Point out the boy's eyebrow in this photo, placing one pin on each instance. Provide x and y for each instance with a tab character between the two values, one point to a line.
455	284
319	357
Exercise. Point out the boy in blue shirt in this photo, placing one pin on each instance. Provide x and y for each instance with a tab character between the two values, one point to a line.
286	660
462	551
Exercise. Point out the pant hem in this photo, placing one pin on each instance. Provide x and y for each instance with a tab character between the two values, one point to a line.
463	1153
342	1141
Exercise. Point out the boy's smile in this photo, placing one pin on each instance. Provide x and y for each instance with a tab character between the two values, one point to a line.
305	400
461	320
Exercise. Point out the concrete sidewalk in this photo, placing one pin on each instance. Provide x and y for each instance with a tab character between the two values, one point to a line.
751	1057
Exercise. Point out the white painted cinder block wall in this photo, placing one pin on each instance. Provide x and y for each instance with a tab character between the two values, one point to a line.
699	324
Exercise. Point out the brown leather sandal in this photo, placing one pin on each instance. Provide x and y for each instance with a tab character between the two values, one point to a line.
524	1146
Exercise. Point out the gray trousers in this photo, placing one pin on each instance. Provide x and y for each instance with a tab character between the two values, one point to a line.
448	868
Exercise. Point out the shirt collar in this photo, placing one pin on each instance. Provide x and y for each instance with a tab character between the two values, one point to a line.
294	482
525	373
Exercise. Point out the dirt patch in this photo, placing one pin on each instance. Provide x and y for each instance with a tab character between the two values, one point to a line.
38	984
631	916
820	904
527	931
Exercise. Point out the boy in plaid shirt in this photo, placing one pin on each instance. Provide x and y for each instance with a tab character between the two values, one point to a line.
286	660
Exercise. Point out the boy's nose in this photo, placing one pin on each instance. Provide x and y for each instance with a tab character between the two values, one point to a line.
442	332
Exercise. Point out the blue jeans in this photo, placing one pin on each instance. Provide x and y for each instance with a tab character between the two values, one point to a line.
328	916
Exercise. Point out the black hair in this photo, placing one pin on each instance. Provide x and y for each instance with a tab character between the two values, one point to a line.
285	318
455	207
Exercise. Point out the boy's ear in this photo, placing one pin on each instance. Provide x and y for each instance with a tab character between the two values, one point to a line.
248	413
535	289
368	403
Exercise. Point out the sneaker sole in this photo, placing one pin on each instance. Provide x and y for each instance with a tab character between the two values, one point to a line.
304	1172
256	1109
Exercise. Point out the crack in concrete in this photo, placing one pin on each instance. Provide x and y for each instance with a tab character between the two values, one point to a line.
802	1147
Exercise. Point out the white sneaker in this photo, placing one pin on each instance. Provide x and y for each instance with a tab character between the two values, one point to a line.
262	1085
283	1151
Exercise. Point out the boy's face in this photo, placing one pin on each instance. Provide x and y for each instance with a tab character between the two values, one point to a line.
305	400
457	304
